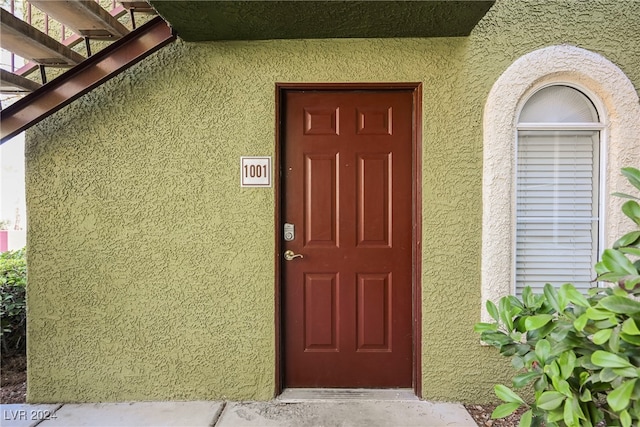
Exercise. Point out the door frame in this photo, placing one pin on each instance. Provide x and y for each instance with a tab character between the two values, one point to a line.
416	192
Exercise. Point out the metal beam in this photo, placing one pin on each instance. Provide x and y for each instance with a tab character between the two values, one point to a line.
79	80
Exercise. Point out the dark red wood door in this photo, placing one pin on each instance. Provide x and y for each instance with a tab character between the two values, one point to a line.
347	177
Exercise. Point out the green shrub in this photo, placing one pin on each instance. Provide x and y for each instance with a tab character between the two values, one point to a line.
13	279
580	353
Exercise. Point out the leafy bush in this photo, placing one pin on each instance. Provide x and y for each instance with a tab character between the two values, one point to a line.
580	353
13	279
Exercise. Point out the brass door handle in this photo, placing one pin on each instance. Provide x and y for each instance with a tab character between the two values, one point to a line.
289	255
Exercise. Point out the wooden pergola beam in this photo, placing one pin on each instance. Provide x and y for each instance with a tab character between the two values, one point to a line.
138	6
13	83
85	17
69	42
26	41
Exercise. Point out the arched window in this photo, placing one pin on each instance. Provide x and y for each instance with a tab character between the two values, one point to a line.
551	96
557	190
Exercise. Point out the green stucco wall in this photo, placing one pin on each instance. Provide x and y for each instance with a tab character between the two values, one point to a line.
151	272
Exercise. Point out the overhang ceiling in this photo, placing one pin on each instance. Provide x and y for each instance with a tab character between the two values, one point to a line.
263	20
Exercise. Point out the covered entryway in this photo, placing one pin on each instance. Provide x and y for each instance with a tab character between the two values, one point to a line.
348	238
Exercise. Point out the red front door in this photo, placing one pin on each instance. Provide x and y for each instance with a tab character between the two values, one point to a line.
347	191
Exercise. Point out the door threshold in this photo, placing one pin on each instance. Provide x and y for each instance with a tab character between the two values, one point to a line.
297	395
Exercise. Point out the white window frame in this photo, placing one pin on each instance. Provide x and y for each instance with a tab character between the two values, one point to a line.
616	100
550	126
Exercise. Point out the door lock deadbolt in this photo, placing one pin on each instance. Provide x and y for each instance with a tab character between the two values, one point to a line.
289	232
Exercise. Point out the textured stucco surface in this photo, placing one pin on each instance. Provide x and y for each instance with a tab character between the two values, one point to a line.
262	20
151	272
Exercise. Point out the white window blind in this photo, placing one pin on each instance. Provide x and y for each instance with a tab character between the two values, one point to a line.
557	200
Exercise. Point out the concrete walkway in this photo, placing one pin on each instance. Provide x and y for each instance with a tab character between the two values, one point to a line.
302	413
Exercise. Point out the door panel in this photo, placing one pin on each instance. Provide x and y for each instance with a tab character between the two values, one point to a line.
321	199
347	188
321	312
374	198
374	312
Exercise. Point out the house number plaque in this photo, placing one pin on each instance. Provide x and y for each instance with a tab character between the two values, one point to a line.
255	171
